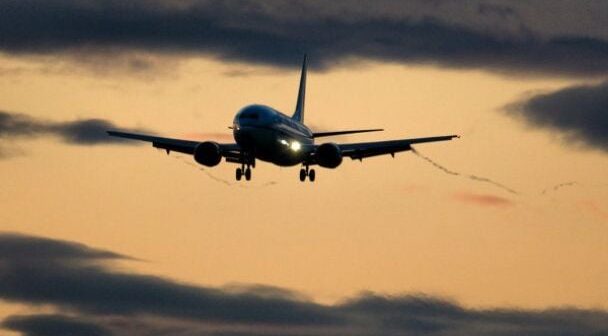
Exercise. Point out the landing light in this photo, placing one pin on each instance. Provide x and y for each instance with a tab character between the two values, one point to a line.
295	146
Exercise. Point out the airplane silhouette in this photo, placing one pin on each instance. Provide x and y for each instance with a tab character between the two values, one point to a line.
261	132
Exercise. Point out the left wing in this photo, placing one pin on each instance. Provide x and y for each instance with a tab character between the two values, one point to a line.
324	134
177	145
361	150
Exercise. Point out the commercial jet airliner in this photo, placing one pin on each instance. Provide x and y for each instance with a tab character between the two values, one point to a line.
263	133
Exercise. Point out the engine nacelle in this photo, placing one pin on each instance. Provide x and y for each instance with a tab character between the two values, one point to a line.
328	155
208	153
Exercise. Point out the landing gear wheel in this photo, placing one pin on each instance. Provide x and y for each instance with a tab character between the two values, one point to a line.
248	174
311	175
239	173
302	175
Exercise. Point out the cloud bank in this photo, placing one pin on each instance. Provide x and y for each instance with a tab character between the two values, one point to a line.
561	37
52	325
83	132
79	282
540	38
91	298
580	113
78	132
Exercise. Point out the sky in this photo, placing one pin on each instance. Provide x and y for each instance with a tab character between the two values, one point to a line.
501	232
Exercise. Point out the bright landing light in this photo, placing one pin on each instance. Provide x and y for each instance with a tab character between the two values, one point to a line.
295	146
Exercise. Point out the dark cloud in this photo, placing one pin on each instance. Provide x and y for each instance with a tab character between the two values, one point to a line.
494	36
85	131
431	316
94	289
579	113
77	132
52	325
16	247
91	298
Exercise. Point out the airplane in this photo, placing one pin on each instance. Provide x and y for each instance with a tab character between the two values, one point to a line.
263	133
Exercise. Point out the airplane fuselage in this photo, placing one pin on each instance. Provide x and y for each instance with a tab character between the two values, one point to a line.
272	136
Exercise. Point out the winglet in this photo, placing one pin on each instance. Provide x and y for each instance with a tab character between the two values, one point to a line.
298	115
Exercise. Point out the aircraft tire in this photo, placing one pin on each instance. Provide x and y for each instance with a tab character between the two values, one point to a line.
239	174
248	174
302	175
312	175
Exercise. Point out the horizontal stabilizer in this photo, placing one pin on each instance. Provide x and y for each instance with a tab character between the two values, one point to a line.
324	134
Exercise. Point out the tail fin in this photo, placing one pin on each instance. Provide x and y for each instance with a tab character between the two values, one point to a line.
298	115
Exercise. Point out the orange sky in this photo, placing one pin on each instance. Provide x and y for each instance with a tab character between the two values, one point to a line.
385	225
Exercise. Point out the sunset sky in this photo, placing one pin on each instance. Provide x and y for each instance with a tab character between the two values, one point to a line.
501	232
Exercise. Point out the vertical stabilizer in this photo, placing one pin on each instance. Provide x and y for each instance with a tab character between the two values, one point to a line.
298	115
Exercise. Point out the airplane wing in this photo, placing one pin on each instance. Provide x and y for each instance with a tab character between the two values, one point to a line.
332	133
361	150
177	145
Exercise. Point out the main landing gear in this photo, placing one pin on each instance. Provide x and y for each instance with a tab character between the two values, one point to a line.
244	170
307	172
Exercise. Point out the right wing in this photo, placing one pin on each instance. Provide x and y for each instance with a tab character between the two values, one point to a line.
177	145
361	150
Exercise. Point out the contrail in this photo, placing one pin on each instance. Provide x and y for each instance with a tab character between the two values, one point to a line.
437	165
221	180
559	186
471	177
211	176
240	185
487	180
215	178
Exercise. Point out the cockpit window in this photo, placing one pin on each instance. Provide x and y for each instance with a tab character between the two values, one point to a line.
251	113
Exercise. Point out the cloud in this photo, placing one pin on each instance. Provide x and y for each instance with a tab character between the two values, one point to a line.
52	325
88	287
17	247
85	132
579	113
432	316
79	132
88	295
539	38
483	199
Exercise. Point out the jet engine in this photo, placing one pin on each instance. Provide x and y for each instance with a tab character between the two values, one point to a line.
328	155
208	153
